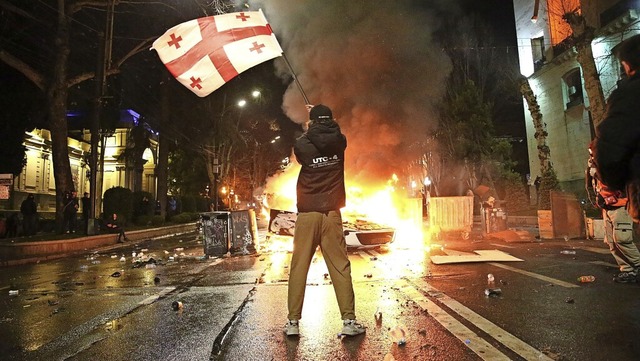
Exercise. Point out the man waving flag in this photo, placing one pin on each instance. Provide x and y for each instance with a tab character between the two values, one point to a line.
205	53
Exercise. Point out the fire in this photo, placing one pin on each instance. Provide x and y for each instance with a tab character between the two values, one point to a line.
387	205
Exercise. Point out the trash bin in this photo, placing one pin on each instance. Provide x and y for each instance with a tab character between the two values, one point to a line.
235	232
495	220
244	232
215	232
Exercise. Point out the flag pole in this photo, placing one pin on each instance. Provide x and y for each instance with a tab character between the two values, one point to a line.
295	78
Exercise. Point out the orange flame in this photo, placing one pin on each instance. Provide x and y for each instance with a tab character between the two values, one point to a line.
387	205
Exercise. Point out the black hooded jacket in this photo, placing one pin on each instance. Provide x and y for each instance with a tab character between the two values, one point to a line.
320	151
616	147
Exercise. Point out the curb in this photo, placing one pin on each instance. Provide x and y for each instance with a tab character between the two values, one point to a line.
32	252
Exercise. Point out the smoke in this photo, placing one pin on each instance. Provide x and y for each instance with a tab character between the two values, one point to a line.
375	64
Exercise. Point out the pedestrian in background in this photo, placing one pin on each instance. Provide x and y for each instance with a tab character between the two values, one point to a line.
616	160
29	210
86	211
320	195
69	211
114	226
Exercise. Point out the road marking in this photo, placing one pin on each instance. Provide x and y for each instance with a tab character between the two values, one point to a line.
606	264
478	345
595	249
516	345
535	275
151	299
501	245
204	266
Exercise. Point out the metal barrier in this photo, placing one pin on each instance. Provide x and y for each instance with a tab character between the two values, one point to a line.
451	213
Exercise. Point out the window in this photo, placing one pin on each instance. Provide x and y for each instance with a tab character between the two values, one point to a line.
573	88
537	50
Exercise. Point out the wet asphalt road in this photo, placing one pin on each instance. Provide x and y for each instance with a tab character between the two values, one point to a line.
97	307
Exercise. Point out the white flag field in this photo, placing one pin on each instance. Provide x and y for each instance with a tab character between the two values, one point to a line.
203	54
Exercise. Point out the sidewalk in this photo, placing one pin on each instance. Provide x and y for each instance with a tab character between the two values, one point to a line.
16	253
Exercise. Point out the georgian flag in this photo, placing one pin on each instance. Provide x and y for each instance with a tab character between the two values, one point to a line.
205	53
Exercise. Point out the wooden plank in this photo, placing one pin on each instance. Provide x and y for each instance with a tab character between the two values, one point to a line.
480	256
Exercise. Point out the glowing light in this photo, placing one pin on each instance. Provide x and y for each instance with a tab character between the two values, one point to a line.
242	103
255	93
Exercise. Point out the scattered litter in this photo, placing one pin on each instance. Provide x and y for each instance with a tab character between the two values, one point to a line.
144	250
399	335
133	254
368	275
114	256
116	274
166	252
569	300
179	249
13	292
95	261
493	292
566	251
378	317
326	276
156	280
25	306
467	342
123	259
374	258
171	258
84	267
52	303
150	265
586	279
177	305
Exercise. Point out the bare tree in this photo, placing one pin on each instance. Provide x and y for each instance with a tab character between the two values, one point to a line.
56	80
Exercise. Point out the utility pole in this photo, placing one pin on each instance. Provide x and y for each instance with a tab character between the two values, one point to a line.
104	63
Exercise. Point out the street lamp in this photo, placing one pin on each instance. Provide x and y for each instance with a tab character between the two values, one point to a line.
255	93
242	103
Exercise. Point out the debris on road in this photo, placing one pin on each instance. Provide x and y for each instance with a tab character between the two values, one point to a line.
116	274
177	305
399	335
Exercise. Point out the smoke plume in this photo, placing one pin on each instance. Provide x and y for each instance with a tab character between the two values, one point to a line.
375	64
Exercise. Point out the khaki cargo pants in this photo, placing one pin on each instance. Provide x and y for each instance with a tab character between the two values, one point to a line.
618	234
315	229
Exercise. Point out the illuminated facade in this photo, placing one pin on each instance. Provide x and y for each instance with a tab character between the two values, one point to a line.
37	176
556	77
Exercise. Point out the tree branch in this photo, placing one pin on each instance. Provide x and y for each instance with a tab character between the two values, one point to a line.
23	68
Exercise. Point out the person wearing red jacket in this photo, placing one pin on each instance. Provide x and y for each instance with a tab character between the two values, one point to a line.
320	195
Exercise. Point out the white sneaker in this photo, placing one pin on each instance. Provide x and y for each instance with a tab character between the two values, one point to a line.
292	328
352	328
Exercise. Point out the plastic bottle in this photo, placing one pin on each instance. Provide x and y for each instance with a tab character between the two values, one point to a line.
566	251
399	335
586	279
491	281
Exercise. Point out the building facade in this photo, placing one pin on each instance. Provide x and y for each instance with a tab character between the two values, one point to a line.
37	176
556	78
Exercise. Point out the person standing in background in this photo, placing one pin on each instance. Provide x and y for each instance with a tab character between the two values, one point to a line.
86	211
29	210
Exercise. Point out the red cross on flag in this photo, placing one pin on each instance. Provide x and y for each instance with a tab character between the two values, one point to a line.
205	53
